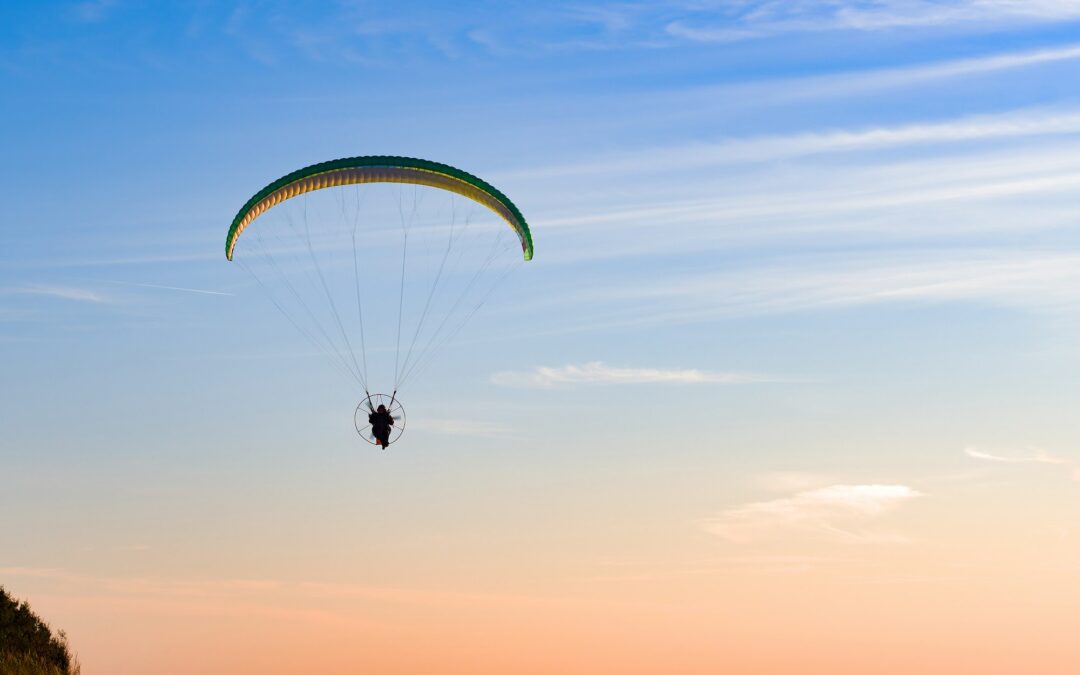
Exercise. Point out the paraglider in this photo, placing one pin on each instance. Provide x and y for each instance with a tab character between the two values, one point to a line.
303	274
381	421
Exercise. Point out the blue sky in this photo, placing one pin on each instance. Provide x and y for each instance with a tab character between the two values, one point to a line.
834	239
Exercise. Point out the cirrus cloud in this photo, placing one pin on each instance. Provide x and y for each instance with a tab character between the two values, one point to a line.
831	513
1027	456
598	372
1030	456
762	18
62	292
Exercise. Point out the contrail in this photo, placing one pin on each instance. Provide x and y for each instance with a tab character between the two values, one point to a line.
166	288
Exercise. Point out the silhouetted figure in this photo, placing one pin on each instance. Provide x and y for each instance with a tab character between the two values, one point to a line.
381	421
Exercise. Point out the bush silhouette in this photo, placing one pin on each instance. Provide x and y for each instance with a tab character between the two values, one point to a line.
27	646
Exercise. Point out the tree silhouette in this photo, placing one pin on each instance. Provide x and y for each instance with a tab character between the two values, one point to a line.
26	642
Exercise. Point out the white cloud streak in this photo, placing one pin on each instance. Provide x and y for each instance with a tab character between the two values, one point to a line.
165	288
829	513
1047	282
599	373
1030	456
923	13
762	18
81	294
61	292
842	231
1002	126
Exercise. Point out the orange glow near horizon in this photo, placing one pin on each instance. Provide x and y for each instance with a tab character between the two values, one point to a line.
841	606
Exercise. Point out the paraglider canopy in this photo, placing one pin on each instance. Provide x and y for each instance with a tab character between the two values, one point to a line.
379	169
320	252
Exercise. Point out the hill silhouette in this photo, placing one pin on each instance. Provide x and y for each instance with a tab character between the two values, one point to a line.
27	645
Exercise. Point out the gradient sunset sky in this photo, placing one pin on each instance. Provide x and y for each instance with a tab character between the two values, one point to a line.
791	385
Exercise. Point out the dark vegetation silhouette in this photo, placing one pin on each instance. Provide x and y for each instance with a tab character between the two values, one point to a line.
27	645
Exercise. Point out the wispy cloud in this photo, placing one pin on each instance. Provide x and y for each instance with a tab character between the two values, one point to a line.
883	14
1017	172
1047	282
1029	455
706	104
761	18
937	223
891	78
164	288
62	292
90	295
597	372
1000	126
830	513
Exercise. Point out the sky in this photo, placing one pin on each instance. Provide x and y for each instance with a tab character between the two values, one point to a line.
789	386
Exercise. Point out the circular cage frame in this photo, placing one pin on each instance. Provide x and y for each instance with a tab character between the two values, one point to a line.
369	404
